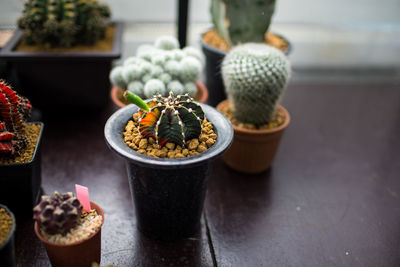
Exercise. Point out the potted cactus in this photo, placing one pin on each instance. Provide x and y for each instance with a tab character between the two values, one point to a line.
255	76
236	22
159	69
20	160
71	235
167	146
7	230
56	38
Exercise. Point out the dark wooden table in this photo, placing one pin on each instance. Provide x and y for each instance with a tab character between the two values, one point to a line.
332	197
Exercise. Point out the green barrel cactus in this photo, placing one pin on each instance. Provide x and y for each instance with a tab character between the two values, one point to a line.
63	23
169	119
255	76
58	213
242	21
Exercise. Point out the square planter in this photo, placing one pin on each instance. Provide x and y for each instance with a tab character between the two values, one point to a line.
54	79
20	183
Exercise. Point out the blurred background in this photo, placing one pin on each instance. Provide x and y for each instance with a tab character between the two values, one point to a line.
341	40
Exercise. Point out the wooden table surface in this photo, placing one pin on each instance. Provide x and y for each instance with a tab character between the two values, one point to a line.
332	197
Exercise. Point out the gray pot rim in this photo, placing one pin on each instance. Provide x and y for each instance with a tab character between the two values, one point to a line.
12	227
116	124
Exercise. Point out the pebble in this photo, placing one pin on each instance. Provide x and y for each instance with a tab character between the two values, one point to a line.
150	147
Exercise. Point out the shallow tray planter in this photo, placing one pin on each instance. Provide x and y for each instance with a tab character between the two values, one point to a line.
168	194
252	151
201	95
68	79
213	78
7	249
20	183
78	254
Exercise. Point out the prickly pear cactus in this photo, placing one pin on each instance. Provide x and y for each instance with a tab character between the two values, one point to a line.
58	213
169	119
14	110
63	23
255	76
242	21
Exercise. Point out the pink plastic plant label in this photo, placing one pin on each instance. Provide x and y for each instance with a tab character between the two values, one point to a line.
82	193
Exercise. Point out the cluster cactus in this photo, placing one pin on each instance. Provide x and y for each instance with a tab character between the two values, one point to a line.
242	21
255	76
63	23
14	111
169	119
58	213
160	69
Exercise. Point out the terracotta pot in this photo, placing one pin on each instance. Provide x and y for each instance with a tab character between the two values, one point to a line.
78	254
201	95
253	151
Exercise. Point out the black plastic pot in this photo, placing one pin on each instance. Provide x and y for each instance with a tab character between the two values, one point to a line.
74	80
7	249
214	83
20	183
168	194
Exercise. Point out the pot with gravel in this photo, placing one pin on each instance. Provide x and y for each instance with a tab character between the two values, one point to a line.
167	146
255	76
71	235
20	160
7	229
159	69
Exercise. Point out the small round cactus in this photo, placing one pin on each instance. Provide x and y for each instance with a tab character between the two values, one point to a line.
117	78
137	88
166	43
169	119
58	213
255	76
175	87
154	87
131	73
190	69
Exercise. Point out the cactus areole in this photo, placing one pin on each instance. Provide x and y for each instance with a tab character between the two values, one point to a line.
169	119
14	110
58	213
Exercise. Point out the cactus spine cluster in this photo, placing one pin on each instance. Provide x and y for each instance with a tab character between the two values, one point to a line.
58	213
159	69
14	111
255	76
63	23
242	21
169	119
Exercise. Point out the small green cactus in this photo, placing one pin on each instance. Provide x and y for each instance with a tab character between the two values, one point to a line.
166	43
169	119
154	87
175	87
255	76
63	23
190	69
58	213
242	21
163	61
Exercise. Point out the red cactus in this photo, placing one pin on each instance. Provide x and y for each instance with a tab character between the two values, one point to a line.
14	110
